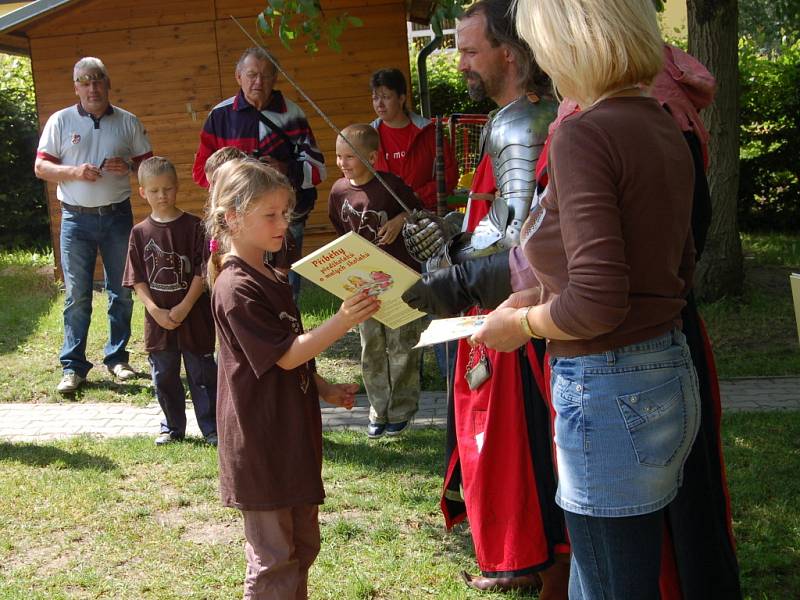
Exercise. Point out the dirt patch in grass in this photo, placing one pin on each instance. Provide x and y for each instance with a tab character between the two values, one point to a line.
213	533
352	514
48	555
173	518
193	529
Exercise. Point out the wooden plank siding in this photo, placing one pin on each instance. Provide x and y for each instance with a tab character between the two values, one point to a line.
171	61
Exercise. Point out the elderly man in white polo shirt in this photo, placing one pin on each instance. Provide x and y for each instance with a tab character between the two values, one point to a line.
89	150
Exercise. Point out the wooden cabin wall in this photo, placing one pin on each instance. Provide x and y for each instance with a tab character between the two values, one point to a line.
171	61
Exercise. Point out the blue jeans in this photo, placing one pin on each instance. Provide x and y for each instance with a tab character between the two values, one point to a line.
82	235
297	230
201	373
615	559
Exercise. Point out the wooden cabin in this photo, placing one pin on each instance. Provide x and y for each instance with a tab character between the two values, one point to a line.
171	61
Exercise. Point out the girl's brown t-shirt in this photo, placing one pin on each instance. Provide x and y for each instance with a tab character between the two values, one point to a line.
268	418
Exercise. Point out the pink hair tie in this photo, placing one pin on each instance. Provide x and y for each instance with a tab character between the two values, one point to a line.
213	246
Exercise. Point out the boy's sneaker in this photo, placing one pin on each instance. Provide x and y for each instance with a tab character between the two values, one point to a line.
212	440
122	371
168	438
375	430
69	383
396	428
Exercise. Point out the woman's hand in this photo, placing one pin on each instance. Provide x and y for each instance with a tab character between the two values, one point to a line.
501	330
523	298
391	229
358	308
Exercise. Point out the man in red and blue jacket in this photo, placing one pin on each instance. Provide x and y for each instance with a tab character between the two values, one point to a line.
263	123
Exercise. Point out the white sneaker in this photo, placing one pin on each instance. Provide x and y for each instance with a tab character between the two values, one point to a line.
69	383
122	371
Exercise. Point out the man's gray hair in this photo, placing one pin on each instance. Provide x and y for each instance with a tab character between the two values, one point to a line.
258	54
89	63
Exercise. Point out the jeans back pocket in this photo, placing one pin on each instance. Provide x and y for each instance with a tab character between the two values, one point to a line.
656	422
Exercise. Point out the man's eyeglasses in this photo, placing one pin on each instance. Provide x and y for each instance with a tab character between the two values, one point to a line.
253	75
89	77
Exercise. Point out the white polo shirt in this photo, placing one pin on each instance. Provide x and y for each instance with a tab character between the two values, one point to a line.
73	137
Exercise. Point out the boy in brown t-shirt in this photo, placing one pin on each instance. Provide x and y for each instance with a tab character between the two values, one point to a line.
165	256
359	202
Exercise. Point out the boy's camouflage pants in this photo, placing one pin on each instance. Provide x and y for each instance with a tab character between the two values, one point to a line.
390	368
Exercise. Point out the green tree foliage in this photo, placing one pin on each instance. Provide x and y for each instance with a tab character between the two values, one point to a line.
769	23
769	188
304	20
23	204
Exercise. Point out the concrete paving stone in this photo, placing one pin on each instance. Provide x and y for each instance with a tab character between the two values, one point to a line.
10	433
18	421
770	404
775	394
33	422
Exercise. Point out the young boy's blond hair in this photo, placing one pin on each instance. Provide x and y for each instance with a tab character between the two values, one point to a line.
220	157
155	166
364	137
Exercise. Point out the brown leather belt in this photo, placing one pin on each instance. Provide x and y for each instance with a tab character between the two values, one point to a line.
96	210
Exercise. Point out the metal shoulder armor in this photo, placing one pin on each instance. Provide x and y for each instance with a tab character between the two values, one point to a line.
514	142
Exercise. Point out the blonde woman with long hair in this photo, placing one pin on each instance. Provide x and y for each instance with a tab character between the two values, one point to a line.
611	249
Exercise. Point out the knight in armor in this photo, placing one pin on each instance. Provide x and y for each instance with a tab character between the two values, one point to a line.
500	473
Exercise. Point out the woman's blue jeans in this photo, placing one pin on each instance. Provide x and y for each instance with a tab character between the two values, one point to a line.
615	558
625	423
82	235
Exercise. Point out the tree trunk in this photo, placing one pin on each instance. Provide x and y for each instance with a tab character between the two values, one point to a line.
713	39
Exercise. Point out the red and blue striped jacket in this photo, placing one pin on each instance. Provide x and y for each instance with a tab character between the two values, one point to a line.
235	122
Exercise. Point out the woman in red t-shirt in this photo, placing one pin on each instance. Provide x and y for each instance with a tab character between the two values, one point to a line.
407	140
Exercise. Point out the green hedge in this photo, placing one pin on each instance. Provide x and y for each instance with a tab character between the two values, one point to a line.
23	203
769	189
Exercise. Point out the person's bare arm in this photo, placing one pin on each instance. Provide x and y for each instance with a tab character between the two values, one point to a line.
53	172
306	346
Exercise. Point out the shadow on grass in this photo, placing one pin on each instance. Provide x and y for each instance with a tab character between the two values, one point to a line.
419	452
35	455
26	296
88	390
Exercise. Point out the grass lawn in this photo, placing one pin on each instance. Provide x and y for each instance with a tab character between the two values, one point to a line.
756	334
122	519
752	335
31	329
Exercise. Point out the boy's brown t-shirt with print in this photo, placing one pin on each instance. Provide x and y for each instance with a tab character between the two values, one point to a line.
167	257
268	419
366	208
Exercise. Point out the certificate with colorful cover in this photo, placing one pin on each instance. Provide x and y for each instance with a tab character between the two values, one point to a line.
351	264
